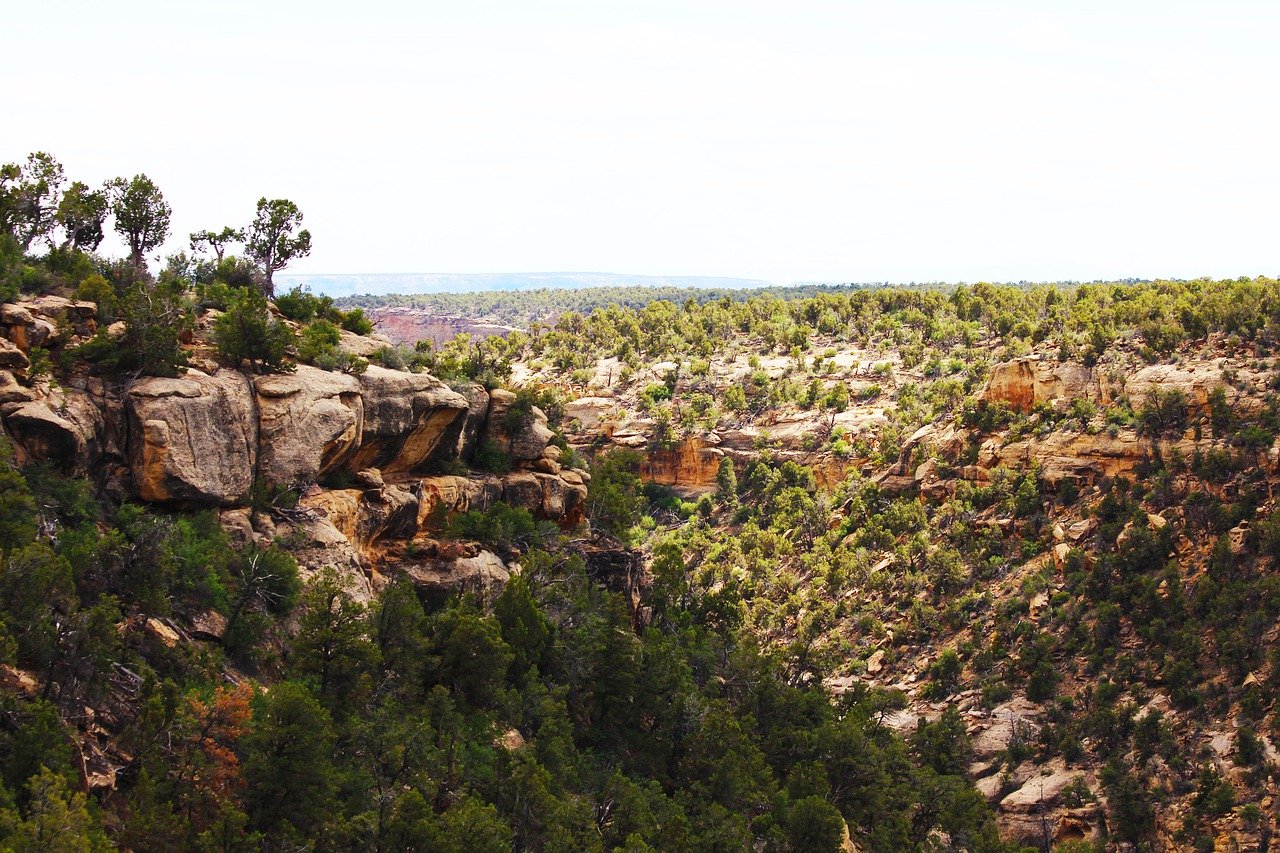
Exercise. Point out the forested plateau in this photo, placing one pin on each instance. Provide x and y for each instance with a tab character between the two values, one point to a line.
975	567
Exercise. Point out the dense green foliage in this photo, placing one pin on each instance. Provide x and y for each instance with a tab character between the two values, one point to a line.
400	727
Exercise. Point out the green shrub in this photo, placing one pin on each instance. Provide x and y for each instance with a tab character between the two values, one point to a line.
156	317
248	332
491	457
356	322
500	526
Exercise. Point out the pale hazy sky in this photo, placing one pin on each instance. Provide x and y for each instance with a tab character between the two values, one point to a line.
838	141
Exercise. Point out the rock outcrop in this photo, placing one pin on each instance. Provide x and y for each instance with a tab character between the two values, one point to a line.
691	464
193	439
1025	382
310	423
65	428
408	417
521	441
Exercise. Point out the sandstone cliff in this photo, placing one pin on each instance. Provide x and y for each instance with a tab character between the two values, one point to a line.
391	445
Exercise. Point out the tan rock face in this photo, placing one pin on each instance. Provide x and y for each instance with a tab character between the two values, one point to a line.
310	423
408	417
441	496
193	439
524	444
65	429
1024	382
590	412
691	464
11	357
477	410
1194	380
1067	455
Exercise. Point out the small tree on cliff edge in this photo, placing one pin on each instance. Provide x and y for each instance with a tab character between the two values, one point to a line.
142	215
271	240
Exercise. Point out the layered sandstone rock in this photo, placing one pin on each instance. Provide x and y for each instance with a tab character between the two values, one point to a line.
310	423
522	442
1194	380
691	464
193	439
1025	382
408	418
64	428
1081	456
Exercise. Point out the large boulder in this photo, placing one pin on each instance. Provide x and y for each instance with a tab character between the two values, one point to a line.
1025	382
22	328
12	392
445	574
65	429
193	439
11	357
440	497
523	439
522	489
310	423
590	412
409	419
49	311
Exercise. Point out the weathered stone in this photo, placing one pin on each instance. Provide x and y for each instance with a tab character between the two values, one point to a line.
1194	380
193	439
689	465
65	429
162	632
1060	553
1015	719
11	357
387	513
12	392
439	496
1082	528
477	410
522	489
16	680
553	495
484	572
408	417
545	465
590	412
523	441
310	424
208	625
13	314
363	345
1025	382
575	502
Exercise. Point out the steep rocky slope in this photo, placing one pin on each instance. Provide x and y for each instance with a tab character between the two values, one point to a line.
379	459
1170	437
